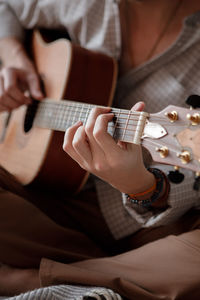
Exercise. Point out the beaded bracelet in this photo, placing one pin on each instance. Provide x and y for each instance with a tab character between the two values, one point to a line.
151	189
160	179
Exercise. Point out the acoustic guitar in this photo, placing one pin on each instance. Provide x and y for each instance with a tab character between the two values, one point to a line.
31	137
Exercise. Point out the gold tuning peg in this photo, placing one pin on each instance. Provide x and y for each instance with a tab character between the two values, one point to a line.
195	118
184	156
164	151
172	116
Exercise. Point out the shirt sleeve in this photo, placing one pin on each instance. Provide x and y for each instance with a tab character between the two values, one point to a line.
92	24
182	198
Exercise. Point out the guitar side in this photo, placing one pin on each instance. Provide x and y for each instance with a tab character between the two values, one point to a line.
68	71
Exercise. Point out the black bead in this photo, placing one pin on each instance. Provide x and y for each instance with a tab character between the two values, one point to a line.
175	176
196	184
193	100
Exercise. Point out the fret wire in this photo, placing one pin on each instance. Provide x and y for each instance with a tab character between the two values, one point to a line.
57	116
72	104
115	125
61	116
126	124
121	118
74	116
86	107
80	113
87	114
64	118
119	137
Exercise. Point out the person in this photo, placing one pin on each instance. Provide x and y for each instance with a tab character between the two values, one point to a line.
105	235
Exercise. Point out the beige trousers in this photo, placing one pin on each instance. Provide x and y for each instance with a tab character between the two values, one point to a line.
67	239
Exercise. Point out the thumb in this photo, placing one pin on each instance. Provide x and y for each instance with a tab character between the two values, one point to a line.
34	86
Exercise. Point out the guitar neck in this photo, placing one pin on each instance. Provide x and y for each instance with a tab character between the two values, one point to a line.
126	126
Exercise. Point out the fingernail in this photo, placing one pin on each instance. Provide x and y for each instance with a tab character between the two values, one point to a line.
78	123
137	105
38	94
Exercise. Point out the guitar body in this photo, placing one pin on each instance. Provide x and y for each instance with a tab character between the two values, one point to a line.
68	71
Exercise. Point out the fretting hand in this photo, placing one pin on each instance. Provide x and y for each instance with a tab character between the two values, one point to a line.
93	148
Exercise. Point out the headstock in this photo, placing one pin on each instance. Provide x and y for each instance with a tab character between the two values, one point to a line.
180	146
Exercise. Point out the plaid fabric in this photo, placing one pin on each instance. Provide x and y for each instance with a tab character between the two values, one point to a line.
167	79
68	292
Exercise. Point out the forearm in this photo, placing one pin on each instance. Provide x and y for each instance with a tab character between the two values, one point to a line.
9	23
12	52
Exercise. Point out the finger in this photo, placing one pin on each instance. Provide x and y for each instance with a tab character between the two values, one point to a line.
2	107
68	139
11	87
139	106
9	103
102	137
95	112
6	102
34	86
82	146
1	87
89	128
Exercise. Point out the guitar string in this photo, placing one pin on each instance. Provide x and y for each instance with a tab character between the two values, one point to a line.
131	116
77	104
62	105
119	120
128	138
127	128
123	112
73	104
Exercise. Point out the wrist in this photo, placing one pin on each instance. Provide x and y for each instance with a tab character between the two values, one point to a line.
143	182
153	198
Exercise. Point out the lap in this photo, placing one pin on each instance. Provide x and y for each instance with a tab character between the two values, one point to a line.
164	265
168	268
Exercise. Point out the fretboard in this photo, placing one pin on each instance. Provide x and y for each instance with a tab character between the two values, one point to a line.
126	125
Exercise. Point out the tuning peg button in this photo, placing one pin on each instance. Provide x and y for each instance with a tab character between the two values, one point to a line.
193	100
175	176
